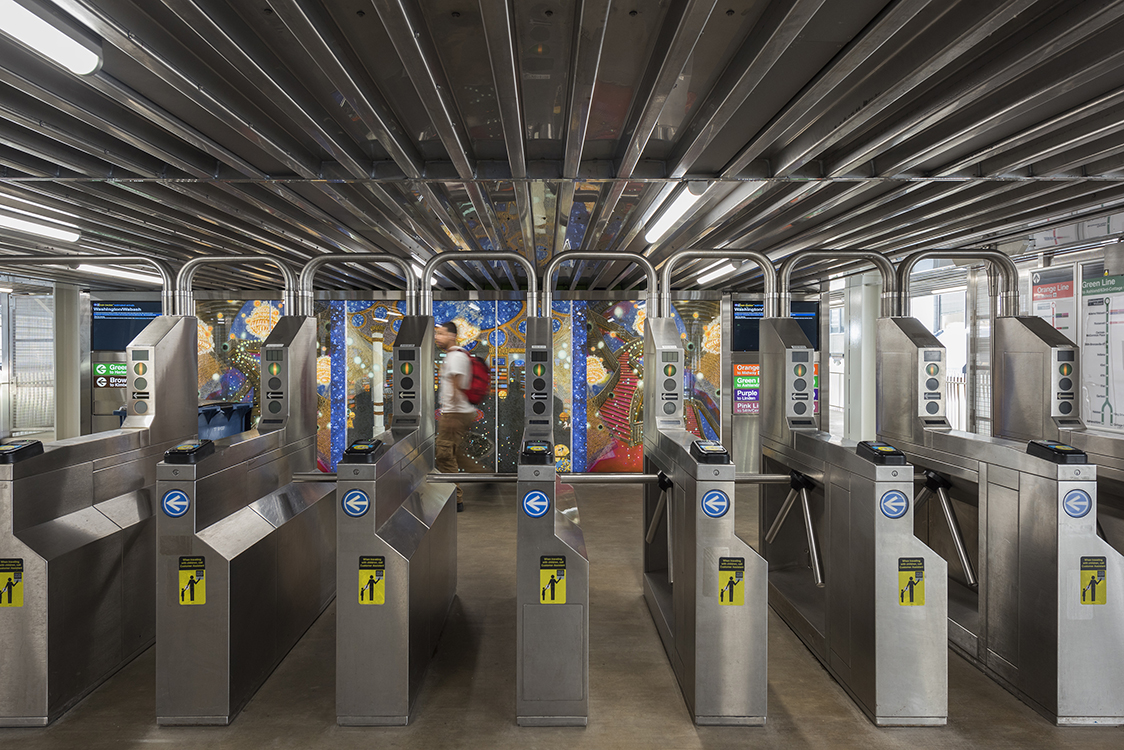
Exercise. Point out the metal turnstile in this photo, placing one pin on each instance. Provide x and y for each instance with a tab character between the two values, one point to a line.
866	596
1035	595
396	565
705	587
246	557
552	567
77	537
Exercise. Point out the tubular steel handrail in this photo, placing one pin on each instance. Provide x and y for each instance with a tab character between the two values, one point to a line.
167	294
454	257
1001	262
880	261
185	303
308	275
768	270
636	258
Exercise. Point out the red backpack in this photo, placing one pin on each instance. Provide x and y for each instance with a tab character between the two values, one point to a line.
481	383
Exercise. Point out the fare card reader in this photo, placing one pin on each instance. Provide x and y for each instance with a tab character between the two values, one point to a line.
709	452
1059	453
17	450
363	452
189	452
882	454
552	569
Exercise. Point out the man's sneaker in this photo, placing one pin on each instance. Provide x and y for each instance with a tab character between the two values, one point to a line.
460	507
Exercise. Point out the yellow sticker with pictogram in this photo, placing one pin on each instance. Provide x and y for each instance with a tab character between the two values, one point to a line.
731	581
11	582
372	579
552	579
193	584
1094	585
911	581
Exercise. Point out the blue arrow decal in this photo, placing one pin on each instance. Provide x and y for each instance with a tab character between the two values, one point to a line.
715	503
894	504
355	503
536	504
176	503
1077	503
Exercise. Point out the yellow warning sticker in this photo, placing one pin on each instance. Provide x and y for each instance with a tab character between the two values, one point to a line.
731	581
911	581
552	579
11	582
372	579
1094	587
193	586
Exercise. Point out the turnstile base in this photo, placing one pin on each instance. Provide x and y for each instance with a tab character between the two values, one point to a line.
730	721
194	721
552	721
372	721
25	721
1061	721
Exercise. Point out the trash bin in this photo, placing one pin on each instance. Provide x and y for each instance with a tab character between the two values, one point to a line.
219	419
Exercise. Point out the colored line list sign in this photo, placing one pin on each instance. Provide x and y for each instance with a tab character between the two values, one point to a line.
747	407
746	370
746	394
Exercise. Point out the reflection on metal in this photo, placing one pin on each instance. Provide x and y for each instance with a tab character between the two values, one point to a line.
879	261
513	258
186	303
717	648
852	610
1024	623
246	567
308	276
768	272
389	618
79	516
167	278
1001	262
576	255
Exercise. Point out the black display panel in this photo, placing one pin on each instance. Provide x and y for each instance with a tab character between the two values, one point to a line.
1065	355
116	324
274	355
747	323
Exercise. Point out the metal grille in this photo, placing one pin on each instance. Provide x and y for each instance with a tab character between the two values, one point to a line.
33	364
981	356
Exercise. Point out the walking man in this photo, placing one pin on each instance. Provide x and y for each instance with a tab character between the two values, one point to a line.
457	414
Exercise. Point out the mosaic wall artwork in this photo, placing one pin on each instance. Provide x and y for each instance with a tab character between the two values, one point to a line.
598	371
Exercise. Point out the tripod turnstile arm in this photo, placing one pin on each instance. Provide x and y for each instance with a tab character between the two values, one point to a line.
813	543
957	537
779	520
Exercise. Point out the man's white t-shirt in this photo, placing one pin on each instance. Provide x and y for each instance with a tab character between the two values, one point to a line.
455	370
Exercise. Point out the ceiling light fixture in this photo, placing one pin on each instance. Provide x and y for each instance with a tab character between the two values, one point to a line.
687	197
47	31
60	233
717	272
117	273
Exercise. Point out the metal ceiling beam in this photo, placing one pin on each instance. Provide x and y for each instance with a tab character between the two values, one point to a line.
592	18
940	132
682	28
820	134
499	34
410	36
778	29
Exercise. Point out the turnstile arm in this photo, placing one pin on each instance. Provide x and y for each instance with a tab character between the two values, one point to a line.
937	485
799	489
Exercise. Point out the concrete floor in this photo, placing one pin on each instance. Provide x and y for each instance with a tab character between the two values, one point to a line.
468	699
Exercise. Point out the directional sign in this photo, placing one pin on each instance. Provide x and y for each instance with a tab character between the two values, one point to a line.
894	504
176	503
536	504
1077	503
355	503
715	503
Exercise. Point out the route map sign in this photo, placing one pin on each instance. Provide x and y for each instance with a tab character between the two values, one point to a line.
1102	348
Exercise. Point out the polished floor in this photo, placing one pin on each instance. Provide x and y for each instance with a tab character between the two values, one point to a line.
468	699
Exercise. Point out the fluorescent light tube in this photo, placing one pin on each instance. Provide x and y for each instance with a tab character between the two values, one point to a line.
717	273
5	290
686	198
35	31
117	273
43	230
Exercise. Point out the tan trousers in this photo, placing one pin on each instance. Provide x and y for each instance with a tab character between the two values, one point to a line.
451	431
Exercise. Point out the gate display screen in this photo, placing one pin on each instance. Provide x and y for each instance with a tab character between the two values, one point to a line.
116	324
747	323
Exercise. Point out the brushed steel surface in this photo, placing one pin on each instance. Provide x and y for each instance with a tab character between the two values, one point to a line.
890	658
80	516
1025	626
718	652
268	545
